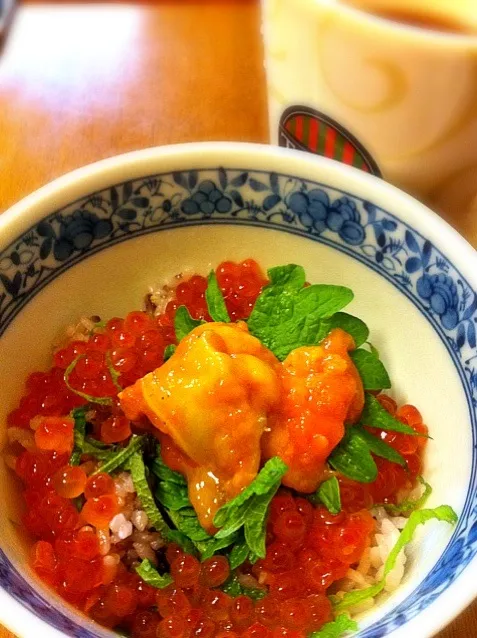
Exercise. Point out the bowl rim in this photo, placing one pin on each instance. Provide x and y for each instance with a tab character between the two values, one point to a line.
99	175
132	165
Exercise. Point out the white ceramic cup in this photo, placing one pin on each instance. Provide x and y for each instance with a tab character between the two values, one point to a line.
390	98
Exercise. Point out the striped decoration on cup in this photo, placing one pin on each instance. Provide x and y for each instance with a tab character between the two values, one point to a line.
305	129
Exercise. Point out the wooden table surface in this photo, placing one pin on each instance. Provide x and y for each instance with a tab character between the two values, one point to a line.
81	82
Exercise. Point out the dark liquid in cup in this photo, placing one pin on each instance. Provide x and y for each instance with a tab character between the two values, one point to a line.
423	21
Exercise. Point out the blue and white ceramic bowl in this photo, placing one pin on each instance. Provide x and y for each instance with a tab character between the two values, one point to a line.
94	242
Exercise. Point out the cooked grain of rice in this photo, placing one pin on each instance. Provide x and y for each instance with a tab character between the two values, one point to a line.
365	562
82	330
158	298
247	580
157	543
131	558
79	331
104	541
153	539
121	527
25	438
111	560
356	577
262	578
144	550
375	557
371	567
124	484
128	507
139	520
36	422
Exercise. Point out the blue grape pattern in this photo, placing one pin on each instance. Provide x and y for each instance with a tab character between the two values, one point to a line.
78	231
345	219
441	293
207	199
311	208
317	214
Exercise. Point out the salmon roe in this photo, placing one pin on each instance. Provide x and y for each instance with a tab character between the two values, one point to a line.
99	511
240	283
98	485
69	508
70	481
55	433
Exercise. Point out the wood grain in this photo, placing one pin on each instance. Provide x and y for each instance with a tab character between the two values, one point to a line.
81	82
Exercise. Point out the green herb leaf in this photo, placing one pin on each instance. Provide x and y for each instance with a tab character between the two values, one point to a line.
382	449
151	576
336	628
79	416
171	490
184	323
356	597
353	459
89	397
113	372
119	458
210	547
138	475
328	493
250	508
252	558
99	445
410	505
255	522
99	450
189	525
255	593
243	514
79	502
215	300
172	496
286	315
233	588
239	554
164	472
373	349
290	277
350	324
271	472
169	351
442	513
371	370
375	416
